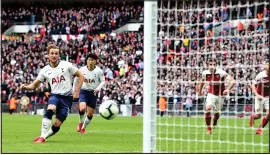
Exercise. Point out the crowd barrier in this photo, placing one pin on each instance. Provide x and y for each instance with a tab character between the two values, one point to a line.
137	110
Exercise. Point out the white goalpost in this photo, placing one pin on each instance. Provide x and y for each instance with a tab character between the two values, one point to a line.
150	76
179	38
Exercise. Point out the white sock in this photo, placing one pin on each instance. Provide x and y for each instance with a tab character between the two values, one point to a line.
81	118
46	123
49	133
53	130
86	122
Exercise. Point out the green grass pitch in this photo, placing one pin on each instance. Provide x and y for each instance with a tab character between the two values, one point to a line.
124	135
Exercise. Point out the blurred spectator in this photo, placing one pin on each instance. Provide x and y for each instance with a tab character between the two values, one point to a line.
106	96
24	104
188	106
162	104
95	19
13	104
4	96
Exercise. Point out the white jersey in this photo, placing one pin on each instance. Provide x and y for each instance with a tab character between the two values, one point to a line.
92	79
60	77
262	82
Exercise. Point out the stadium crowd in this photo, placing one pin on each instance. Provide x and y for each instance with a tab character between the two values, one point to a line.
68	19
182	50
187	39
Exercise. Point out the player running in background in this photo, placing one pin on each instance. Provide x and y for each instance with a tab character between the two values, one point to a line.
59	75
94	80
216	92
260	87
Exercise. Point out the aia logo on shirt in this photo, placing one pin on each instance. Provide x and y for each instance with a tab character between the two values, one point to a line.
89	80
58	79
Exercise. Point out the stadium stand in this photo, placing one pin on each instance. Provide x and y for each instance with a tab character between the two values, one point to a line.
121	54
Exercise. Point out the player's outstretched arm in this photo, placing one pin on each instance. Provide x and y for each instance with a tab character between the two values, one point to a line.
78	84
253	88
202	83
231	84
31	86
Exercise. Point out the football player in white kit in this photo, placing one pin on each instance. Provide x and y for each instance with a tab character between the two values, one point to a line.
59	75
260	87
216	92
94	80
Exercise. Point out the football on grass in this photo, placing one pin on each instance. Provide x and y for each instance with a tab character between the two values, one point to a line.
108	109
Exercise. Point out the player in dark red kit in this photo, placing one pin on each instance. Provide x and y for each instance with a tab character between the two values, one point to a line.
216	91
260	87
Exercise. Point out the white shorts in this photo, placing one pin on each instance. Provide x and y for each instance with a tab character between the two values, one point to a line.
215	101
260	104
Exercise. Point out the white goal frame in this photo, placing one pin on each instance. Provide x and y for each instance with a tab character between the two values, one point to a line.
149	76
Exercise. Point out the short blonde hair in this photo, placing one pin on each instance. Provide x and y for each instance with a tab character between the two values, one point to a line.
52	46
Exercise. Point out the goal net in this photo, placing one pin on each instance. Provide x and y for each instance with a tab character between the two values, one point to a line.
180	37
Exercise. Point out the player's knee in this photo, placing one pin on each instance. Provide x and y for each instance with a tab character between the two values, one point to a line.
208	108
48	114
82	109
217	113
57	123
90	111
82	106
51	107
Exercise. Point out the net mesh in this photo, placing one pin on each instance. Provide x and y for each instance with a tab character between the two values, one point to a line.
236	34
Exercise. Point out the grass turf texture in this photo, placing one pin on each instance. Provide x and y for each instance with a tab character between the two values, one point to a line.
124	135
